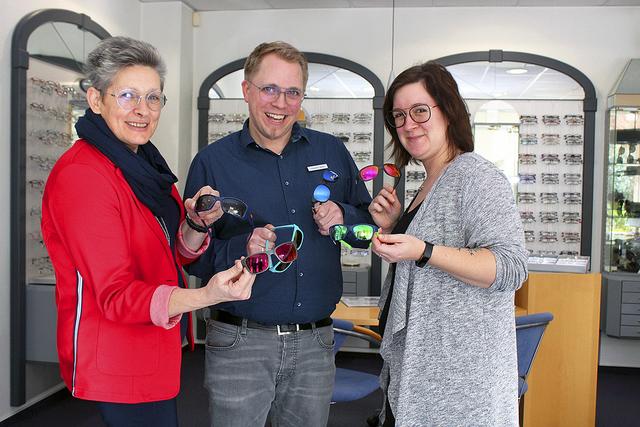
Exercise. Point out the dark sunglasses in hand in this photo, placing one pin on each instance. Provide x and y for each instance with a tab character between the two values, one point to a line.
230	205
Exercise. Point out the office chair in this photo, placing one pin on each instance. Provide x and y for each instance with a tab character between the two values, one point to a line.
351	384
529	331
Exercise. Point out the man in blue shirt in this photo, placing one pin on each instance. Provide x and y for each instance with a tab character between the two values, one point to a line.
272	355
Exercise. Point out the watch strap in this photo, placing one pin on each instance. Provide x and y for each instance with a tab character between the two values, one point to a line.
426	255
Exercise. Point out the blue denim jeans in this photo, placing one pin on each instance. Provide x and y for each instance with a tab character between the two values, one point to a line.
253	373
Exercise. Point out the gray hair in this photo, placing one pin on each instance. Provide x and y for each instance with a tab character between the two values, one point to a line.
116	53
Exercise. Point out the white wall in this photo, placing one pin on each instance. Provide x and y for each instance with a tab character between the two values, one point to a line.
121	17
168	27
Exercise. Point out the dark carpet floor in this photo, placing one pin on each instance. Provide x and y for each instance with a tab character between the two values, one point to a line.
618	401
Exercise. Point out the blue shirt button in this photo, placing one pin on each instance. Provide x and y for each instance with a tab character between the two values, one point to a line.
301	274
286	183
299	304
293	211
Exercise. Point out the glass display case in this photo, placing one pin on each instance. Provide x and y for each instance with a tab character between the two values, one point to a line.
622	216
621	258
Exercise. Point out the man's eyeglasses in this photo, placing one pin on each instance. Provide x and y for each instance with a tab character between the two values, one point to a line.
128	99
362	232
270	93
285	253
420	113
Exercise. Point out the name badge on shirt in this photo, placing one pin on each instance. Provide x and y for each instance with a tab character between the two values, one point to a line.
320	167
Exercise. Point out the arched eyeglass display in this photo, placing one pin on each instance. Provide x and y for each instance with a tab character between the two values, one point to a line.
342	98
48	50
549	132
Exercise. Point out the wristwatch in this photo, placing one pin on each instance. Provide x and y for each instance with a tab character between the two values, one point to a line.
426	255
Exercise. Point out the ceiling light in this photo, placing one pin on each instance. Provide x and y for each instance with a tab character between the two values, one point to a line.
517	71
314	89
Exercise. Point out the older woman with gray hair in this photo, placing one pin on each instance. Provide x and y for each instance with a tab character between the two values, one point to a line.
118	235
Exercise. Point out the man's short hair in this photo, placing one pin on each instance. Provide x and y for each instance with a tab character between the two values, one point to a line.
283	51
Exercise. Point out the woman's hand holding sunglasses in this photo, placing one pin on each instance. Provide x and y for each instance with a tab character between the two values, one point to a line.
327	214
203	215
233	284
258	240
397	247
385	208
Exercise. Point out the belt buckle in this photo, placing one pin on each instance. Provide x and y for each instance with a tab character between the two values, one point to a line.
287	332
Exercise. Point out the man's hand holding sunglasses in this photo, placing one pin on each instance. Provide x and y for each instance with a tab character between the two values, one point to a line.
195	228
259	237
385	208
327	214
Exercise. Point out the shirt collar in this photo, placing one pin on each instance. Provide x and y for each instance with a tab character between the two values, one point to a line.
297	133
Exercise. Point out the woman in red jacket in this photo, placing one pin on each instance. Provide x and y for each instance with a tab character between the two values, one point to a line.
114	225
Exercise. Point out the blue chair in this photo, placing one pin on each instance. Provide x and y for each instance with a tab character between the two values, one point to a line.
529	331
351	384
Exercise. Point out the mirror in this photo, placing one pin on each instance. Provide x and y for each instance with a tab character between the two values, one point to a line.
534	118
48	51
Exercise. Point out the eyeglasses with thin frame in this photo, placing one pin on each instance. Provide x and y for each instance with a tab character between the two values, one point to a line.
271	93
128	99
419	113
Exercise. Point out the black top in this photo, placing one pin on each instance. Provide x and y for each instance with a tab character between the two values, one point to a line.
400	228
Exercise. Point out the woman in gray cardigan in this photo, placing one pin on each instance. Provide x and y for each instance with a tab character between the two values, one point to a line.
457	257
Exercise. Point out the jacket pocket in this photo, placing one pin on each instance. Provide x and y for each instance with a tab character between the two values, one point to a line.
127	349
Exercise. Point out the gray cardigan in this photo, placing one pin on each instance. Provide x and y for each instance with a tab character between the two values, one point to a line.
449	348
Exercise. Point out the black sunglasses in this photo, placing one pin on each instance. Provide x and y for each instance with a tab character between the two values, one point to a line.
230	205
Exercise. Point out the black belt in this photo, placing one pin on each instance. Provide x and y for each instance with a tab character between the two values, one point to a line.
287	328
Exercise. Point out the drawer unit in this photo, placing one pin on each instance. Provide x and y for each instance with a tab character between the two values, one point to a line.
630	286
630	331
629	320
355	281
623	305
630	309
631	297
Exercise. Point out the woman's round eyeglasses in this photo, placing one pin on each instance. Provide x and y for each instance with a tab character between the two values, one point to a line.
419	113
128	99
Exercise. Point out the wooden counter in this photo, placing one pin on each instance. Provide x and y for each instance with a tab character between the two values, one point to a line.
363	316
563	378
368	316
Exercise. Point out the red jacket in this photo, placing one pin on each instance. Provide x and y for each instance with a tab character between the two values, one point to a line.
110	254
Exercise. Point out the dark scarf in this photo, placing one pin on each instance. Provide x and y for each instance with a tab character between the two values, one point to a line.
148	174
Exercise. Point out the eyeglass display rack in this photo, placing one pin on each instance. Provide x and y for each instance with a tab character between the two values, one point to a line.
622	222
52	109
548	188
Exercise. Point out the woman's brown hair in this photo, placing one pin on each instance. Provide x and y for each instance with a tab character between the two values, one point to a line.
444	90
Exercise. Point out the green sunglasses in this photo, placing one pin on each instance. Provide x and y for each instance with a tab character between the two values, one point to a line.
362	232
